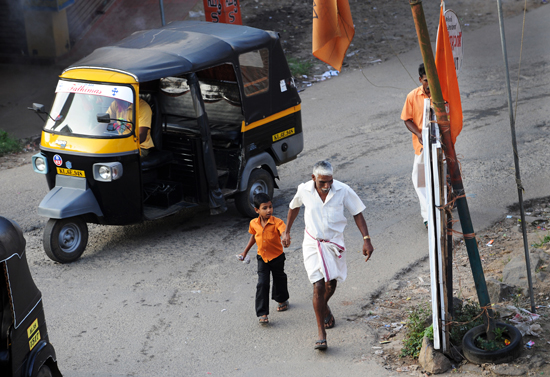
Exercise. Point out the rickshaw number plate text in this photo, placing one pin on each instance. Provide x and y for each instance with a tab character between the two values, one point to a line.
282	135
32	328
71	172
34	340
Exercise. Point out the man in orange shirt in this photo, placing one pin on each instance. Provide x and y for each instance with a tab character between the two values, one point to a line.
266	232
412	115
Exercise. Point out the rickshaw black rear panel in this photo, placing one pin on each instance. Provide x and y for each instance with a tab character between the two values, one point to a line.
263	136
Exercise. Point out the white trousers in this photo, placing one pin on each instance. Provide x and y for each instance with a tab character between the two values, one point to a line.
419	182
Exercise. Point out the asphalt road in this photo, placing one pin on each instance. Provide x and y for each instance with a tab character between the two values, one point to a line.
169	298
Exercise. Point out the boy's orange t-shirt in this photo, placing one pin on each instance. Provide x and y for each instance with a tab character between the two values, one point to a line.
268	238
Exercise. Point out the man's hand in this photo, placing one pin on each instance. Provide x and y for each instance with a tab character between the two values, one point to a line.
367	249
285	239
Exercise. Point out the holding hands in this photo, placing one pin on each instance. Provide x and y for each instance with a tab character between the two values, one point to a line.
285	239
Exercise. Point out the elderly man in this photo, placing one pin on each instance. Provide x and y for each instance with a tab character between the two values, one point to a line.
324	200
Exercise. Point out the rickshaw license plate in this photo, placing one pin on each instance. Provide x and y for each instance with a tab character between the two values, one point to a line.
282	135
71	172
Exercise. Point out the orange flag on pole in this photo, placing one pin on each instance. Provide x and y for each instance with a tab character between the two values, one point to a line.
332	31
446	73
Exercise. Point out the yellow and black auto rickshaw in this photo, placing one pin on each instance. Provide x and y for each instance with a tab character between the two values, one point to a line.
25	350
224	114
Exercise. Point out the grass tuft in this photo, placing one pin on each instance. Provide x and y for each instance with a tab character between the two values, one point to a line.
299	67
416	326
8	144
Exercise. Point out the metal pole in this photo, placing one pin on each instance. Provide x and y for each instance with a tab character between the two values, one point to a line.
450	154
516	157
162	12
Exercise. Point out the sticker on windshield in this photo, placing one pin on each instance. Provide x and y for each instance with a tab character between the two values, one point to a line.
57	160
111	91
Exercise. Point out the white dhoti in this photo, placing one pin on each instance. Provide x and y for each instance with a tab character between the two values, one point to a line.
419	182
324	259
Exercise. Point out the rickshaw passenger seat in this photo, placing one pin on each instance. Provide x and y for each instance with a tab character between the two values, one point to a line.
224	133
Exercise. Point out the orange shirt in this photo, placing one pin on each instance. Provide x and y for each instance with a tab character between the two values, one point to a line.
268	238
414	109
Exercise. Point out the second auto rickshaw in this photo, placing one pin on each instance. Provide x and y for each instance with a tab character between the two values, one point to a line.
25	350
224	113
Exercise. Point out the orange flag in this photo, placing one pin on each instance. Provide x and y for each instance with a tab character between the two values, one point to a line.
332	31
446	73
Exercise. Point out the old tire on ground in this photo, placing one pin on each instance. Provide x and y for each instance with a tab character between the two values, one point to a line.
260	181
65	240
479	356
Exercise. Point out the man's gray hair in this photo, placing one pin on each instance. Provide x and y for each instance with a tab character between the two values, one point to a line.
322	168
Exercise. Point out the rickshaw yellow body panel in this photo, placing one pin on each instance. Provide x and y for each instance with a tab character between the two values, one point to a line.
247	127
64	143
100	75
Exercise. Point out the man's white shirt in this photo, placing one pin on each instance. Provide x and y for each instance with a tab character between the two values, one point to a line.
326	220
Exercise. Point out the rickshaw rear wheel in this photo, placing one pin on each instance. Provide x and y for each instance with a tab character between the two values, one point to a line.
44	371
65	240
260	181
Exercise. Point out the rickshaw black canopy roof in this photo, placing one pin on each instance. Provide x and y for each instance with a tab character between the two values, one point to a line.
177	48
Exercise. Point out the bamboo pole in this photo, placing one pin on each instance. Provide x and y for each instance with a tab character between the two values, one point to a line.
450	154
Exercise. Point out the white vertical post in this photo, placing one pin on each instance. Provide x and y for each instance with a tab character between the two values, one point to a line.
432	240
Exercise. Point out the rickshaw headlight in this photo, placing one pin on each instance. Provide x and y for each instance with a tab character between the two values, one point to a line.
39	164
107	172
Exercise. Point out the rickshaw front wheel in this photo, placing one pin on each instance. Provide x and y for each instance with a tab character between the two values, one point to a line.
260	181
65	239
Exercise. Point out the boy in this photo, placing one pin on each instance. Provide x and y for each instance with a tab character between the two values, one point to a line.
266	232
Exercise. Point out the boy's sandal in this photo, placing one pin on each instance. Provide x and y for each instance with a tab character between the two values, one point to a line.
282	306
321	344
264	320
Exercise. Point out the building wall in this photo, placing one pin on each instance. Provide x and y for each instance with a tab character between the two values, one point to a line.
12	29
13	36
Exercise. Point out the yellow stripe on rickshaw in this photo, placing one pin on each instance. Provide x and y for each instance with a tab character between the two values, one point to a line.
271	118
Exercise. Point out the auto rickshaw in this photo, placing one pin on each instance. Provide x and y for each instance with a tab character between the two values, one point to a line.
225	113
25	350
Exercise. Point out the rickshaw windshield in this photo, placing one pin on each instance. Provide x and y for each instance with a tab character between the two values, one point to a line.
77	105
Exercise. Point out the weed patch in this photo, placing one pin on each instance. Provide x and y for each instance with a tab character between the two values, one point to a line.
465	318
299	67
8	144
416	328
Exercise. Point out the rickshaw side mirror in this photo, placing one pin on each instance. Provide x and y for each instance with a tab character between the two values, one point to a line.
103	118
37	107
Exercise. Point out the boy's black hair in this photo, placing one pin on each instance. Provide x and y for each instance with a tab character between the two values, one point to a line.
261	198
421	70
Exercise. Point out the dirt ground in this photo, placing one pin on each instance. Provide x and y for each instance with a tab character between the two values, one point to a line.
392	308
383	29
